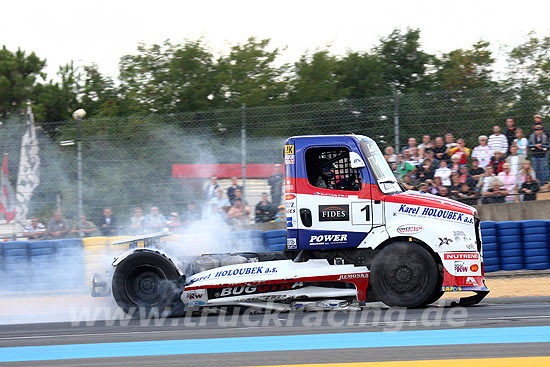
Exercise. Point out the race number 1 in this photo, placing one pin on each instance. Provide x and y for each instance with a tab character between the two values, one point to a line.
361	213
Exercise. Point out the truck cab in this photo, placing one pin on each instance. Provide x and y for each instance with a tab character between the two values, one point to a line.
344	204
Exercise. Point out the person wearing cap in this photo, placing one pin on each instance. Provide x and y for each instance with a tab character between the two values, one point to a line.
281	214
497	161
509	182
538	146
483	152
498	141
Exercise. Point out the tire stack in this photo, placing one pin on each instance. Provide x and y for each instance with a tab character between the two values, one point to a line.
510	245
275	240
491	260
249	241
42	256
15	264
535	244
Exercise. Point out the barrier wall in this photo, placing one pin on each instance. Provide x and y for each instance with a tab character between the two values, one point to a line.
69	263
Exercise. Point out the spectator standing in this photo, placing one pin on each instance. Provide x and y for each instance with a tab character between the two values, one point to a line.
35	230
425	171
431	156
495	194
210	188
454	189
281	214
498	141
275	181
107	224
390	157
424	188
411	144
426	143
58	227
407	183
155	221
173	222
483	152
443	192
476	171
515	161
238	213
404	167
234	186
510	132
444	172
449	140
466	195
521	142
509	182
525	171
239	196
464	176
87	228
440	149
137	221
436	185
461	150
529	189
455	163
487	180
219	204
538	145
497	161
265	211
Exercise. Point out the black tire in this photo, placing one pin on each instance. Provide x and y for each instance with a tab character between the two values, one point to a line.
146	282
405	275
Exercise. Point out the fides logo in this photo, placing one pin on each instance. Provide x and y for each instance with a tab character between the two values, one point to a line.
333	213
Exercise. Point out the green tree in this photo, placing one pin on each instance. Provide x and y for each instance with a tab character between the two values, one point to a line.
19	75
315	79
404	62
248	74
360	74
465	69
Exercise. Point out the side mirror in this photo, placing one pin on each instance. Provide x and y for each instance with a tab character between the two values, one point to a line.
356	160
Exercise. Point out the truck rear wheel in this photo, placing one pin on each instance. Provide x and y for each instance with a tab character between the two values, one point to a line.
145	283
404	275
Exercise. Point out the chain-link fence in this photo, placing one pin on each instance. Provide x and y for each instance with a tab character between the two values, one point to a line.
127	162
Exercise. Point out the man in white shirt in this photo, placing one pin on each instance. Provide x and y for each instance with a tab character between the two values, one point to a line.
483	152
498	141
515	161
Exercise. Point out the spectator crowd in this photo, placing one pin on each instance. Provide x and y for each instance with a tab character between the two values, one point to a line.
506	166
228	205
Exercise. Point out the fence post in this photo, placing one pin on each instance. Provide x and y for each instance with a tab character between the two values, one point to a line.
396	120
243	143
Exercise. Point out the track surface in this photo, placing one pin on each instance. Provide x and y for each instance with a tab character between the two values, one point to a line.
372	319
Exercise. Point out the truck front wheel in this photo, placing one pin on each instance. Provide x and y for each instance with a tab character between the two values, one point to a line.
404	274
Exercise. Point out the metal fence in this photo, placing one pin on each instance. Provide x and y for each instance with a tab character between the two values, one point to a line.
127	161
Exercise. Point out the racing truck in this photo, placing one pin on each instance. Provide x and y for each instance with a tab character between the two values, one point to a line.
353	235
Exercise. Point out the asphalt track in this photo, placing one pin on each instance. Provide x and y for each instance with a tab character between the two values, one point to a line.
490	330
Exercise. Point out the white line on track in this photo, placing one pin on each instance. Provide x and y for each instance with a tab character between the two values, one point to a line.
250	327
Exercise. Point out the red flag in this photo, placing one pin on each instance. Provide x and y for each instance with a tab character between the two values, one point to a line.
7	206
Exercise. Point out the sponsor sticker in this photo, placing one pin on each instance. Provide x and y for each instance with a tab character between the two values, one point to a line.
290	196
289	149
417	211
289	222
474	268
291	244
471	281
328	239
289	159
353	276
461	256
250	289
448	288
460	267
410	229
333	213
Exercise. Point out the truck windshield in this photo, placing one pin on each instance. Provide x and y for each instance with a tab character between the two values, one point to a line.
380	168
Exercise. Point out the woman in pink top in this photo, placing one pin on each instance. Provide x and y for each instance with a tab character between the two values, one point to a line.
509	182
